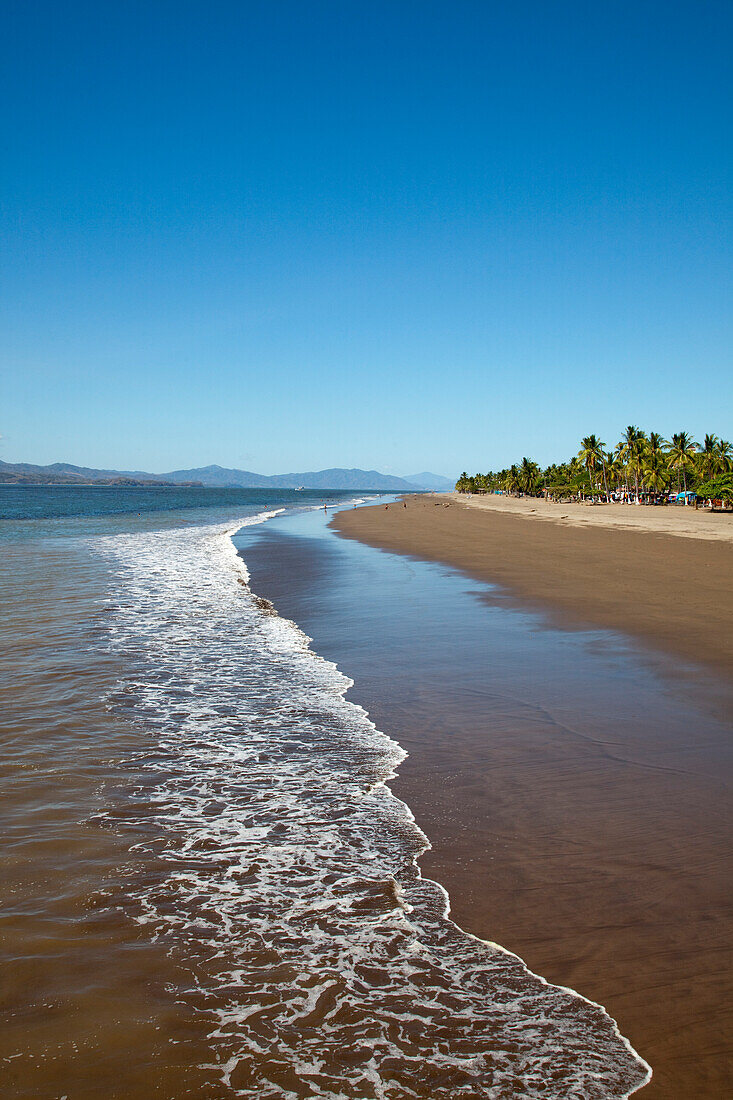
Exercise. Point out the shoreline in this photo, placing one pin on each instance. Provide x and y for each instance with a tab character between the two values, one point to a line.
667	588
318	584
598	853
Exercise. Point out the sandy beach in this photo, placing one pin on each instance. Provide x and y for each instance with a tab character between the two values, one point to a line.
599	854
664	575
686	522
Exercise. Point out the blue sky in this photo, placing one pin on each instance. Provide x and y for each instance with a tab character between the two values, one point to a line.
403	235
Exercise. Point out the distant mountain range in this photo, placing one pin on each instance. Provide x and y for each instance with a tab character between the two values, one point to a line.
63	473
436	482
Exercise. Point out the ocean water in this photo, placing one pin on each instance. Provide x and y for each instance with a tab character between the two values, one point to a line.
208	888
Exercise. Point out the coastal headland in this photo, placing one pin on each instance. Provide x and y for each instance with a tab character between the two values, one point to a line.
604	864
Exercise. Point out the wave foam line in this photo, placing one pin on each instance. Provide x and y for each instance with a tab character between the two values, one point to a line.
321	960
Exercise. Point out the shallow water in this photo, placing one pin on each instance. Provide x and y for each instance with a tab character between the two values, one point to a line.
208	888
575	784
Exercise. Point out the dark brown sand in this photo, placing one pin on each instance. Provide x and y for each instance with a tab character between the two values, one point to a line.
674	592
605	866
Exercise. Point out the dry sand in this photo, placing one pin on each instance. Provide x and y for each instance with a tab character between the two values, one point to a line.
686	521
605	866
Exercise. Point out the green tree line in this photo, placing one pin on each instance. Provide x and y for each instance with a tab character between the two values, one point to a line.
638	465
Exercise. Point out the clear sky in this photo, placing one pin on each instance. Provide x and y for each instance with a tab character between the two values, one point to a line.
400	234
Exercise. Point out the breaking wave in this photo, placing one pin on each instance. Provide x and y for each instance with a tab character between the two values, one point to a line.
320	960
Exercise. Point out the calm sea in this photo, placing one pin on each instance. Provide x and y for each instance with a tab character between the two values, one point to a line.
207	888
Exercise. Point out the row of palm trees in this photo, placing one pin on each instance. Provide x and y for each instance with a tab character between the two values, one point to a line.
639	465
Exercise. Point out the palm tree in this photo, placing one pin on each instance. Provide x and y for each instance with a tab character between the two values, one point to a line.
592	455
725	454
654	447
681	449
655	472
604	457
612	469
511	480
528	474
709	457
657	478
631	449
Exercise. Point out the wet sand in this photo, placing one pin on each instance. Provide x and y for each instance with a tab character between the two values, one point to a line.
598	852
673	592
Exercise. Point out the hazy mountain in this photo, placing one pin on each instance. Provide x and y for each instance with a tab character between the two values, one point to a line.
435	482
336	478
339	478
63	473
221	477
87	471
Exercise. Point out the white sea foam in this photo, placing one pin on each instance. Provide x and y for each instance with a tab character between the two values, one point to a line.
324	964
